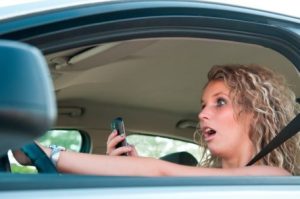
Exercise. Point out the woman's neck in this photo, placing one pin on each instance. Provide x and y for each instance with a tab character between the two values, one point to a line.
240	157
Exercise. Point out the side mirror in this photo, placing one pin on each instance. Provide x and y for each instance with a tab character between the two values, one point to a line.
27	102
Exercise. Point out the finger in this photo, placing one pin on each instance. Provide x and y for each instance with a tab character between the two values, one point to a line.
113	143
121	150
111	136
116	140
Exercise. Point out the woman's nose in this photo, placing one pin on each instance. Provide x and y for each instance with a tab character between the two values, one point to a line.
204	114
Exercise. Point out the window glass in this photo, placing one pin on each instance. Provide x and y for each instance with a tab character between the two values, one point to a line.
70	139
156	146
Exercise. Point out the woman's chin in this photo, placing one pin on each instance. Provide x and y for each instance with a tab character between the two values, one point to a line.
215	151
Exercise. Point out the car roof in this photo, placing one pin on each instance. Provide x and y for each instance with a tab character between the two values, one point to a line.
24	7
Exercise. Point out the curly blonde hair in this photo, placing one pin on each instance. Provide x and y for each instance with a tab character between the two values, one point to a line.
267	96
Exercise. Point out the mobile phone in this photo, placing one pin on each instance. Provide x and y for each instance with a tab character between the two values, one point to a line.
118	124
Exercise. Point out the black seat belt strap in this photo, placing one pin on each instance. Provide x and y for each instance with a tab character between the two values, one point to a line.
290	130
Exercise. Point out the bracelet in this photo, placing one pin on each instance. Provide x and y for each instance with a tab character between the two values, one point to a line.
55	153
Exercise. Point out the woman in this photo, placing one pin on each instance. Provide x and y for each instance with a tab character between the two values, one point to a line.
243	108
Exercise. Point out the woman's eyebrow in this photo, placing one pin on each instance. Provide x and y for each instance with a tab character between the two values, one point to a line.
214	95
219	93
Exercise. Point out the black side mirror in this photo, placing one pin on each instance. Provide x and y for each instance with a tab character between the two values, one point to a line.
27	101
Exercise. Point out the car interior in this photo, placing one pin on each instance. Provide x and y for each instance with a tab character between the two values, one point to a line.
154	84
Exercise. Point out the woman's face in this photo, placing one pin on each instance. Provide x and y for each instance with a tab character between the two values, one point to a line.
225	134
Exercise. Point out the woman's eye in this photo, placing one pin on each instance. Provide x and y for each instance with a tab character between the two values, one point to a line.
221	102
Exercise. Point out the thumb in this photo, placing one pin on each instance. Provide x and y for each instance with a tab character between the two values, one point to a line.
133	151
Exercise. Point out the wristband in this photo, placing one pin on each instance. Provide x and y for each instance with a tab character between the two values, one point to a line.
55	153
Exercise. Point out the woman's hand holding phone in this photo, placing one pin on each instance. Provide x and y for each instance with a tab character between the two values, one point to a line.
111	147
116	142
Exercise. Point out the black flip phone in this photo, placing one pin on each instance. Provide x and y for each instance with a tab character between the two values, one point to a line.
118	124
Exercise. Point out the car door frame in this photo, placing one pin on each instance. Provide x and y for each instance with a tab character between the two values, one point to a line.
89	25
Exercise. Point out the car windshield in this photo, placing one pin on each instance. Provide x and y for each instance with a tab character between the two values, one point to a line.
9	9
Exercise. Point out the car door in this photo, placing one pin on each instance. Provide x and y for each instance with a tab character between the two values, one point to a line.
95	23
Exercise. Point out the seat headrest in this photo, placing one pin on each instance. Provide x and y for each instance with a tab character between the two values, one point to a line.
27	102
182	157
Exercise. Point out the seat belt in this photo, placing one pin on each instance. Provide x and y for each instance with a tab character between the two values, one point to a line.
287	132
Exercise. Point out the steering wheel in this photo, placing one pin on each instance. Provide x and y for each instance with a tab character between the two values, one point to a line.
38	158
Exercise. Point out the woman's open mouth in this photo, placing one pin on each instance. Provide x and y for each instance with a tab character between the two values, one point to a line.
208	133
